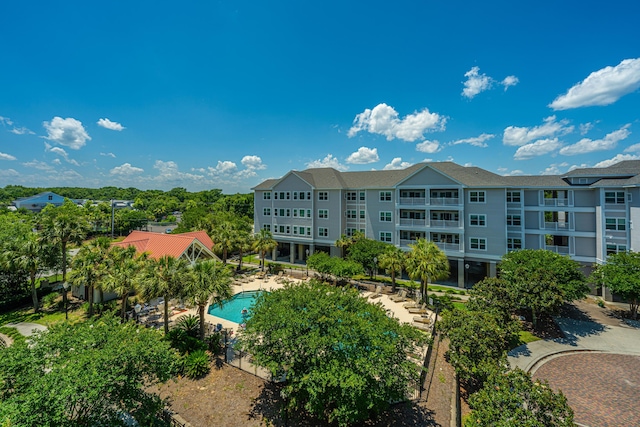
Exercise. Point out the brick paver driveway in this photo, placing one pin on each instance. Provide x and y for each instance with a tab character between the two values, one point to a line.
602	388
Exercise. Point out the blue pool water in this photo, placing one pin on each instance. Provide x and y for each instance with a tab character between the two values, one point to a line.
232	308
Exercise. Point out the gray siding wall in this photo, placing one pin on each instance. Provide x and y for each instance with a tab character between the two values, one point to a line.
585	246
494	231
530	197
585	198
634	220
374	207
585	221
429	177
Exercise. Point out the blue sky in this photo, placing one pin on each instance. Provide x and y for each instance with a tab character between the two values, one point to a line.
204	94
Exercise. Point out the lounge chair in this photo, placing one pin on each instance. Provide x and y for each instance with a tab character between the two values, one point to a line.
399	297
421	319
412	304
418	310
422	327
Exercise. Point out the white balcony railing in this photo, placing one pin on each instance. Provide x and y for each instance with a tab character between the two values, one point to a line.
557	226
413	201
556	202
448	246
444	201
409	222
445	224
563	250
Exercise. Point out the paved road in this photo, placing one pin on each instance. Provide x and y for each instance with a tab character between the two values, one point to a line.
27	329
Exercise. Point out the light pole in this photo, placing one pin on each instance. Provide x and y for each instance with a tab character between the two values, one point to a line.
65	287
466	275
305	261
375	266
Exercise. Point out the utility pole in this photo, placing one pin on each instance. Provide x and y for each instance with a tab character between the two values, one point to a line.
112	217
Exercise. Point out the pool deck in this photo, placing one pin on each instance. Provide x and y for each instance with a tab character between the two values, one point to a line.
396	309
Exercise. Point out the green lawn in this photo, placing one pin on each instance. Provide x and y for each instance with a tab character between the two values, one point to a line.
526	337
45	318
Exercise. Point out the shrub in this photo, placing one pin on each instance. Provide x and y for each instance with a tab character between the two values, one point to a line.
214	343
184	343
190	324
196	364
50	300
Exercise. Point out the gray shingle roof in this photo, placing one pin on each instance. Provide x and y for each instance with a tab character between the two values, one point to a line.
624	168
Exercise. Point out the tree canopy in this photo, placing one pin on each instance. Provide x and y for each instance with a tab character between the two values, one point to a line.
426	262
621	274
343	358
89	373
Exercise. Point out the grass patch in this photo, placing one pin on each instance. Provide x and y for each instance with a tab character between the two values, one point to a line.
12	333
45	318
460	306
526	337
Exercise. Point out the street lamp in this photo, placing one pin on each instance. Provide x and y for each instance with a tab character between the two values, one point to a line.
466	275
305	261
65	287
375	266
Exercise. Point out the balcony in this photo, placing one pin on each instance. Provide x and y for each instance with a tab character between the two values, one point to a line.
556	202
439	223
413	201
409	222
444	201
448	247
557	226
562	250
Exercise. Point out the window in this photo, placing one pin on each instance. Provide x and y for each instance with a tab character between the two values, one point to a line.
478	220
385	196
295	228
514	220
385	236
362	215
362	196
616	224
323	232
513	197
302	231
614	249
282	212
323	213
513	244
349	232
351	214
350	196
476	196
295	212
385	216
266	227
266	195
615	197
444	194
323	195
283	229
266	211
295	196
308	213
478	243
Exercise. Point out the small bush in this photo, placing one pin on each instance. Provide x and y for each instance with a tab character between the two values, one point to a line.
184	343
214	343
190	324
50	300
196	364
600	303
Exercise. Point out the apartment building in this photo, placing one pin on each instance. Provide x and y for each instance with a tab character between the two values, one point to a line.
473	215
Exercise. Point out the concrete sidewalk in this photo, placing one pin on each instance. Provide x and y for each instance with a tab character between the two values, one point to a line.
581	335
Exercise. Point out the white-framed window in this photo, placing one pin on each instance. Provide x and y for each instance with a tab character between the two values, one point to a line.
362	215
614	197
266	211
302	231
385	196
295	196
478	220
514	220
283	229
282	195
323	195
476	196
513	244
349	232
385	216
295	228
266	195
385	236
285	212
362	196
323	232
614	249
513	197
308	213
478	243
323	213
351	196
616	224
351	214
266	227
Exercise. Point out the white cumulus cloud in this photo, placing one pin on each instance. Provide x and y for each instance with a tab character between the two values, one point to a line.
39	165
60	152
554	169
108	124
253	162
5	156
22	131
618	158
586	145
478	82
328	162
538	148
224	168
126	169
632	148
6	121
517	136
108	155
364	155
396	163
478	141
428	147
384	120
509	81
602	87
68	132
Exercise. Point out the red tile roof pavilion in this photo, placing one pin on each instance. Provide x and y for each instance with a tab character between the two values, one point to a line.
191	246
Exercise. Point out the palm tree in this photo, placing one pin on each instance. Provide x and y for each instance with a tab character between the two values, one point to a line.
125	273
89	266
343	243
426	262
163	278
393	261
224	236
244	240
61	226
263	242
210	280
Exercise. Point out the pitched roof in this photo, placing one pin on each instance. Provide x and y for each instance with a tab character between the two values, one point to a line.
159	244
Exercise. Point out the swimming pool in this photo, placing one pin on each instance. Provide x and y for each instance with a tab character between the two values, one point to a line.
232	308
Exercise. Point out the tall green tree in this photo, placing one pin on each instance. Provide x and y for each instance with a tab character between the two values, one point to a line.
61	226
84	374
393	261
89	267
224	238
541	281
344	359
125	273
164	277
263	242
210	281
513	399
621	274
426	262
366	252
492	295
244	238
